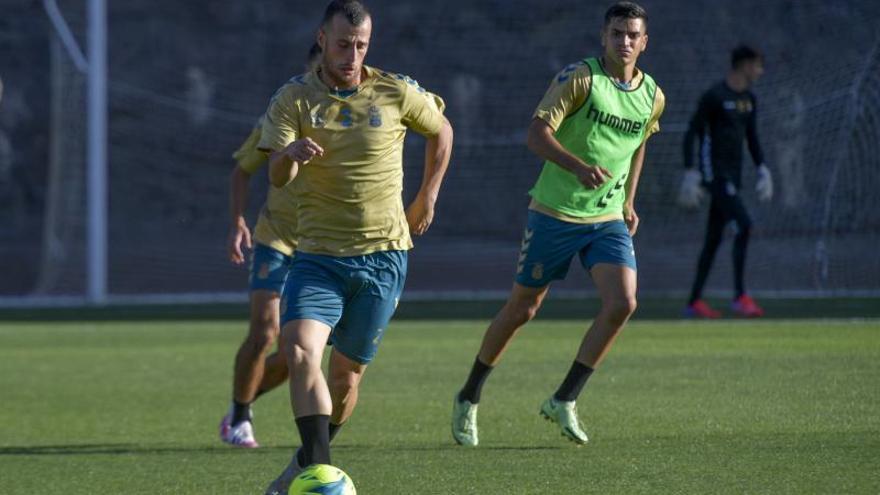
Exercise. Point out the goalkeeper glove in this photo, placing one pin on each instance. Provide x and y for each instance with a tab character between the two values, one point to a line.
690	193
764	186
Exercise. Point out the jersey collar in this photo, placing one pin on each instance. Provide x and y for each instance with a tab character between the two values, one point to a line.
366	81
634	83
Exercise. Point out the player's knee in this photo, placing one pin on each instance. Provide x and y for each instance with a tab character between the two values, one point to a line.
523	311
343	384
530	312
621	308
264	319
299	356
741	240
263	334
744	223
712	242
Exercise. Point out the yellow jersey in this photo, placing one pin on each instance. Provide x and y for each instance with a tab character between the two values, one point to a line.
570	90
349	200
276	225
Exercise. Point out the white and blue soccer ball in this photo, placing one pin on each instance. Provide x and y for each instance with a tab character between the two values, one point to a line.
322	479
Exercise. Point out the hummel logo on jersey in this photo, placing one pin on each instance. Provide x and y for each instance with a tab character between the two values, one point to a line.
566	72
614	121
527	239
603	201
317	119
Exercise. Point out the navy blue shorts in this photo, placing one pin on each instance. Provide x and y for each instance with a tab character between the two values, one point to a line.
549	244
355	295
269	269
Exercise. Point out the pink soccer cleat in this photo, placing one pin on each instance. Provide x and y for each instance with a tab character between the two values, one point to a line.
224	426
699	309
745	306
240	435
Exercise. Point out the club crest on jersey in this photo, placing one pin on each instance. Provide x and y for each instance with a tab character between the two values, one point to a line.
346	117
263	274
375	116
538	271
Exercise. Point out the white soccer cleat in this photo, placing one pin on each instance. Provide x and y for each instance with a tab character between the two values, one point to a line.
464	422
565	415
240	435
281	484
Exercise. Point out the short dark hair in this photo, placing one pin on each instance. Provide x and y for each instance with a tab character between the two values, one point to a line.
744	53
354	12
627	10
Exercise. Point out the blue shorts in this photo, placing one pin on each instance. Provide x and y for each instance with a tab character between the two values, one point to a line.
355	295
269	269
549	244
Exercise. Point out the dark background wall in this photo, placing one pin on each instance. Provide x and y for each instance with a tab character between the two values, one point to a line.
188	79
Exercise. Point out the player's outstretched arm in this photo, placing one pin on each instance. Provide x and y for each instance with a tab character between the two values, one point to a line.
284	164
239	234
438	149
543	143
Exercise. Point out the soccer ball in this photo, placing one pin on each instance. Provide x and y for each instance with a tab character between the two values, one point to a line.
322	479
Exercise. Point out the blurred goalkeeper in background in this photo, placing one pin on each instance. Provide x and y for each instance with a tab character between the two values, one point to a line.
254	372
725	117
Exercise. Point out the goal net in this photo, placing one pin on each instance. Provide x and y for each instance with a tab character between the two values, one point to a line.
186	83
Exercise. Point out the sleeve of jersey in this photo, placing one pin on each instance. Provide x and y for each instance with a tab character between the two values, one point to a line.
567	93
281	124
659	106
247	156
422	111
752	135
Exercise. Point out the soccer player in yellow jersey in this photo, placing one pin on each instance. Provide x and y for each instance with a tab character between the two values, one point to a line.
337	135
275	236
590	129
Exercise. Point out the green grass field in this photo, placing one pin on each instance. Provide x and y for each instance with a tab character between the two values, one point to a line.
678	407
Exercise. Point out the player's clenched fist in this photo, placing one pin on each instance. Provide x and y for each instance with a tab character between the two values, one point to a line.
419	215
593	176
303	150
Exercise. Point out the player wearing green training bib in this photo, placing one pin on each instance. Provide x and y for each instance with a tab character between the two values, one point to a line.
605	126
590	128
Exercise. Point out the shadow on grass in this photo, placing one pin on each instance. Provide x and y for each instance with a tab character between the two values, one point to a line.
131	448
122	448
440	447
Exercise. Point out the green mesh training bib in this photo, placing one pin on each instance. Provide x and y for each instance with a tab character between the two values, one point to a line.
605	131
